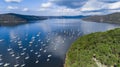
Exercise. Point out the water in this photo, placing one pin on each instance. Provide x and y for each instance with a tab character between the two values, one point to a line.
43	43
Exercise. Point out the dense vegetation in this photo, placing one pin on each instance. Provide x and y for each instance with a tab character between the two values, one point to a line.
110	18
104	46
14	19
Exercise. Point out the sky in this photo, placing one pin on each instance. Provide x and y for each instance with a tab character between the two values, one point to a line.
60	7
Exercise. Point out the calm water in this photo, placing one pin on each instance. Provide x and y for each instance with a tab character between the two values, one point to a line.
44	43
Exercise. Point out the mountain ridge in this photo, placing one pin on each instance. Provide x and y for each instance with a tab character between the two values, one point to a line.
15	19
110	18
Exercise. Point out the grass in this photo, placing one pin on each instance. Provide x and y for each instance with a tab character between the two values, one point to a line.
104	46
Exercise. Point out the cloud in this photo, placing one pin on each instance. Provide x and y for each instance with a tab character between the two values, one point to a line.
46	5
16	1
93	5
17	8
81	3
25	9
115	5
12	7
108	1
70	3
65	9
56	9
80	7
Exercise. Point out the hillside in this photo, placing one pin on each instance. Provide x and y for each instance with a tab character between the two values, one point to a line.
93	50
66	17
110	18
15	19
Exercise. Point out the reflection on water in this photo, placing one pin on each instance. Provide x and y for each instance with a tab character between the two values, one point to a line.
43	44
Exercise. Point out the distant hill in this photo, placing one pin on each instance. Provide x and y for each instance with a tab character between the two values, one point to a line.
15	19
66	17
100	49
110	18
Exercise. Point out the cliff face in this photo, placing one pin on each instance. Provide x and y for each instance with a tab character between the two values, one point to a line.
14	19
110	18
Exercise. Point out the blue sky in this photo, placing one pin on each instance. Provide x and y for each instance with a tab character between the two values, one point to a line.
60	7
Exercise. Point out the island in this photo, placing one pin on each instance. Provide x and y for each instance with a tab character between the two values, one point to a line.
110	18
100	49
16	19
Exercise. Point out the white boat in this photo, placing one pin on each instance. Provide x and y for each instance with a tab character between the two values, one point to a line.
6	64
1	40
